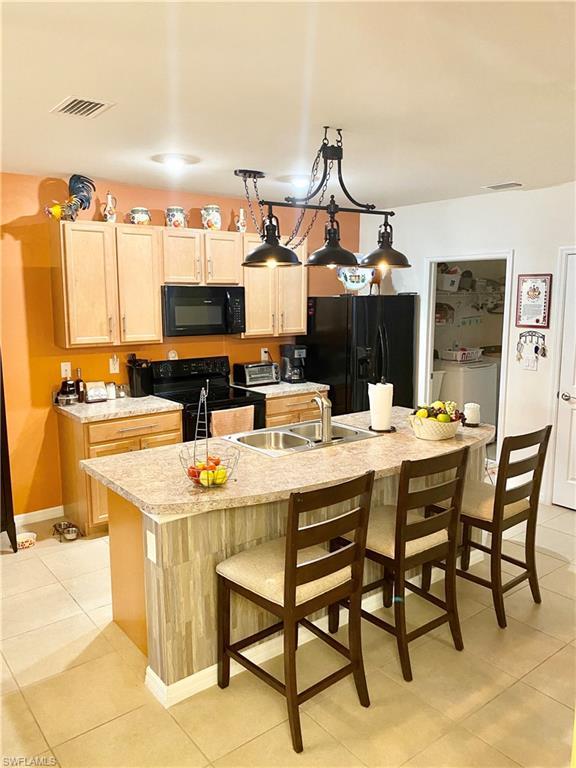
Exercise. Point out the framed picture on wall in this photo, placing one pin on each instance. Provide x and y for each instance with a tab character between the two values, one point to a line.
533	301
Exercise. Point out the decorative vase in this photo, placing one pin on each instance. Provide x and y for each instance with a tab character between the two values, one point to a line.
175	216
211	218
109	209
240	220
140	216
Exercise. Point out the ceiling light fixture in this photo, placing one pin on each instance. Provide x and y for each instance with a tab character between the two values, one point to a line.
332	254
175	161
385	257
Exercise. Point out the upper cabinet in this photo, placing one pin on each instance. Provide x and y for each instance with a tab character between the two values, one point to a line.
276	299
183	255
224	256
106	283
139	257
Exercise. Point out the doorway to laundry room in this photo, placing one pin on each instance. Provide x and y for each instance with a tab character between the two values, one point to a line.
469	330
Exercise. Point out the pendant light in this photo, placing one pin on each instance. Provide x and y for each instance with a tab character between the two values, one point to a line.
271	253
385	256
332	254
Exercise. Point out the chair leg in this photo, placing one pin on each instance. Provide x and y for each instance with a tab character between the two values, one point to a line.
465	561
387	588
426	576
292	685
496	579
400	624
333	618
451	601
531	558
355	644
223	633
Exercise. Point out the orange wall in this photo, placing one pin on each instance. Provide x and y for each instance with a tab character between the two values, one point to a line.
31	359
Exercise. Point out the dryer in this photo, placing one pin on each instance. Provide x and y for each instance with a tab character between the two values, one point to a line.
471	383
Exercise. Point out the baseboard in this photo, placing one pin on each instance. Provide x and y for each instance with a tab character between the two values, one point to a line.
168	695
50	513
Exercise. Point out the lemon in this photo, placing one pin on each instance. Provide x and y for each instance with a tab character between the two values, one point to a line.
432	418
444	418
207	477
438	405
422	413
220	476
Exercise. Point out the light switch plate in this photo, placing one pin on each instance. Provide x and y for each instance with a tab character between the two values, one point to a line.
66	370
114	364
530	363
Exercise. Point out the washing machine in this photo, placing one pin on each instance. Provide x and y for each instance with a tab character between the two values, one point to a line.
471	383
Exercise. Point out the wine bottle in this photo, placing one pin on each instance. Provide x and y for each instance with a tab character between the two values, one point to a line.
79	386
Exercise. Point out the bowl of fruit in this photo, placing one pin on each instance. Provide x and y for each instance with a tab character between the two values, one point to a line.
207	471
438	421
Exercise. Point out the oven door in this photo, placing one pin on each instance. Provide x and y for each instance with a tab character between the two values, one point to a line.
200	311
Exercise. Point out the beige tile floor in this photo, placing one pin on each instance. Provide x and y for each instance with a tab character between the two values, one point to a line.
73	689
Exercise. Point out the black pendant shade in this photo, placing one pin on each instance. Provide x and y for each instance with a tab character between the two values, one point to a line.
385	255
332	254
271	253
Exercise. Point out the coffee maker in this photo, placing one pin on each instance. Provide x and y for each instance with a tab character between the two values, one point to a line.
292	363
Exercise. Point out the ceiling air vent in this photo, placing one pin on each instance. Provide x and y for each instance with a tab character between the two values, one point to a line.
503	186
86	108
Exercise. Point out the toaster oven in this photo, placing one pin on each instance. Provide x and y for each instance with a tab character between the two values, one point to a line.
256	374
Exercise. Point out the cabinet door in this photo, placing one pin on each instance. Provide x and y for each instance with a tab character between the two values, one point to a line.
139	281
292	300
98	492
260	301
155	441
90	283
224	258
183	255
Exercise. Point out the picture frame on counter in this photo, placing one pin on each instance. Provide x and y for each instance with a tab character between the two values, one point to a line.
533	301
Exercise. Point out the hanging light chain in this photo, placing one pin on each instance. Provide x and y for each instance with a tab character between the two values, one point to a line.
316	212
259	228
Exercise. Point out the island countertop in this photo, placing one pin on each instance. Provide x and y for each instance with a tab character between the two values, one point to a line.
155	482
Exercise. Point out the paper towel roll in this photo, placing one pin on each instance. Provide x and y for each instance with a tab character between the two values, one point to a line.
380	396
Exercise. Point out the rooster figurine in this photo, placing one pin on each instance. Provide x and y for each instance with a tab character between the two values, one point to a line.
80	189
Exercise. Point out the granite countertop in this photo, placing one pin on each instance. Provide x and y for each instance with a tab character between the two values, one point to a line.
284	388
154	481
122	407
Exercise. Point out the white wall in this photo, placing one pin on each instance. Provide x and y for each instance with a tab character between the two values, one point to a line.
535	225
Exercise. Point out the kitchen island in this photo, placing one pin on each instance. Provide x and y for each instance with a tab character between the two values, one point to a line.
166	536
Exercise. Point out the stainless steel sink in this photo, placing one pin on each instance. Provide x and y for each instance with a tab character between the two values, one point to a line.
312	430
295	438
270	440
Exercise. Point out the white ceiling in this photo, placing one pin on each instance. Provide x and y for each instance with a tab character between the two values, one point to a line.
436	99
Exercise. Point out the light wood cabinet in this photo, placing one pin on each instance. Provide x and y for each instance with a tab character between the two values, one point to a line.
84	499
276	299
224	256
139	280
183	251
291	409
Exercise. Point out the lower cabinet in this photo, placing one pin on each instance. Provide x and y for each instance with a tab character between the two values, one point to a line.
84	499
291	409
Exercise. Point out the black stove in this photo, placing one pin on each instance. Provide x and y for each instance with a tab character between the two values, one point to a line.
182	381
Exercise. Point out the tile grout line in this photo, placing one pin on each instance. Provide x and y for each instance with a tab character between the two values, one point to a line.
189	737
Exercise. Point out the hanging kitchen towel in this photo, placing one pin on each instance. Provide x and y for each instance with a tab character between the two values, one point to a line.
380	397
232	420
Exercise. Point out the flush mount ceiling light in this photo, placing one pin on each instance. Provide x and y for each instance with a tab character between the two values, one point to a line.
331	254
298	181
385	257
175	161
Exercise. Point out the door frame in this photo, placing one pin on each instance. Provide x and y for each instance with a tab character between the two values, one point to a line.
426	365
560	304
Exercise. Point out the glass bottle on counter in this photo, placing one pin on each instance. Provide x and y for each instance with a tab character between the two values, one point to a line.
79	386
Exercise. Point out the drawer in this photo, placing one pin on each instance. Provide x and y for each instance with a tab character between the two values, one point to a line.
133	427
281	420
155	441
293	403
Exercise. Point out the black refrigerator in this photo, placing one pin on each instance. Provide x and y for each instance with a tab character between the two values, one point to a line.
356	340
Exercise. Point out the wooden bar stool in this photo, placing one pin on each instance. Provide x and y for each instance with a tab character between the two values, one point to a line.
495	509
399	538
294	577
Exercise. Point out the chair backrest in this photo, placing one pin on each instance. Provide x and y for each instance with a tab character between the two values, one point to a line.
532	465
353	521
440	489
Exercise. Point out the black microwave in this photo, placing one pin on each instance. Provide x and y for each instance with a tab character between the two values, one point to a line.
189	310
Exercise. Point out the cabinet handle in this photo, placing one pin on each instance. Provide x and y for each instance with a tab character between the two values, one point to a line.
140	426
198	271
282	321
124	324
110	326
210	268
273	322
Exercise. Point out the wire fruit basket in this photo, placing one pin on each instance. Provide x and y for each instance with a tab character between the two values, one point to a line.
204	469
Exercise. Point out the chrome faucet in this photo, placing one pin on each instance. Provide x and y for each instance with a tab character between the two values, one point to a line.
325	406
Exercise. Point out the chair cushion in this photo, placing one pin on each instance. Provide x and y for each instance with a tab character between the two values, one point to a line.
478	502
382	531
261	570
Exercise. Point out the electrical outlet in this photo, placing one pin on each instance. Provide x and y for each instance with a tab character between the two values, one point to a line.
66	370
114	364
264	354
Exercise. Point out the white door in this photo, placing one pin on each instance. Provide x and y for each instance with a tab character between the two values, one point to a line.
565	459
